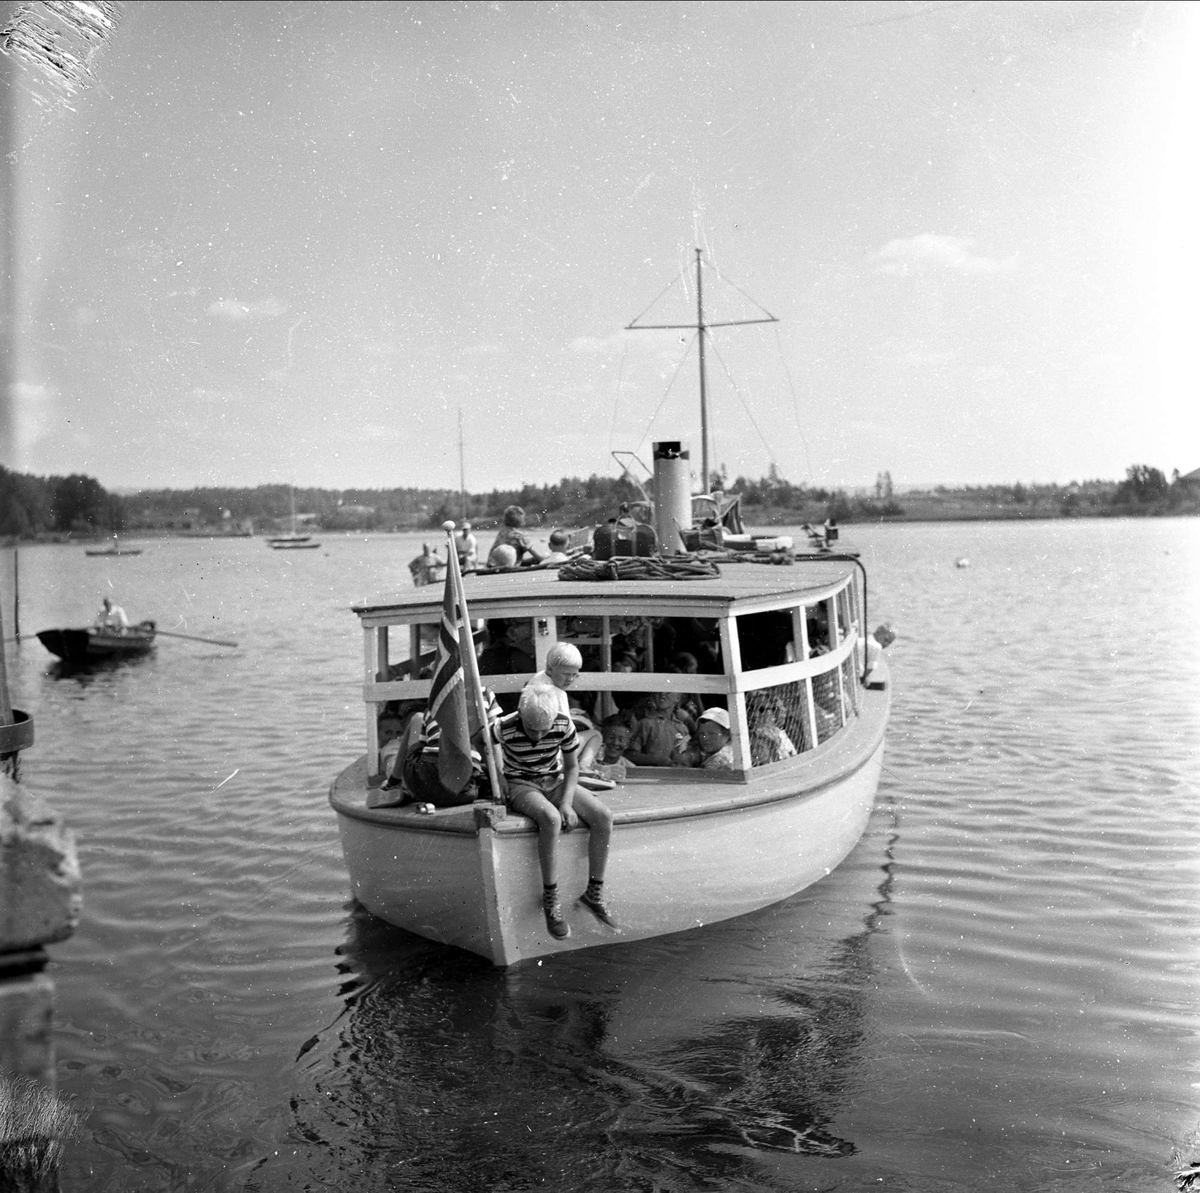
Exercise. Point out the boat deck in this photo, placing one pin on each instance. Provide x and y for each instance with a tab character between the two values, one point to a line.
738	581
653	793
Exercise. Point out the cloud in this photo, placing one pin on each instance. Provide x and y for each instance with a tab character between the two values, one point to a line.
929	251
592	346
923	358
214	397
380	433
239	312
382	348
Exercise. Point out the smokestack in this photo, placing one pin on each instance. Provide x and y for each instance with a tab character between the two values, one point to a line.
672	496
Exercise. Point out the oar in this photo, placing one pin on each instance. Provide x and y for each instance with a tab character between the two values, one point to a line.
193	638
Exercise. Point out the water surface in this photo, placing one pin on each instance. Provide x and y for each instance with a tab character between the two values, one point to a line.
997	990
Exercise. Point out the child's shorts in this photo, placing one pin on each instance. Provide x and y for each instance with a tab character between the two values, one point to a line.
548	785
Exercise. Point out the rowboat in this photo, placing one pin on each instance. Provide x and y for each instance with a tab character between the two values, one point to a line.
88	644
783	635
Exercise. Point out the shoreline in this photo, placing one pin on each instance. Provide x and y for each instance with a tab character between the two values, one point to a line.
755	517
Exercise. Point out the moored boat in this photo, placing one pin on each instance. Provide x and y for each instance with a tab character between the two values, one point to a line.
114	549
89	644
293	540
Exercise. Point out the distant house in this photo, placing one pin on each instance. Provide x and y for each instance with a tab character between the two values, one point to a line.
1191	480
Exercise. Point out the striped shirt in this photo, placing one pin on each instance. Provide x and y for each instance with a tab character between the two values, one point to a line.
431	731
528	759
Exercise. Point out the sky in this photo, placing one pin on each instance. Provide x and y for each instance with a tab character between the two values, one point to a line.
370	245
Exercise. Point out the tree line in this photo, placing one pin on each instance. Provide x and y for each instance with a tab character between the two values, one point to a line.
78	505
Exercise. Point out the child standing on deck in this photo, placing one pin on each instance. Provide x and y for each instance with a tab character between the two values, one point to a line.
534	740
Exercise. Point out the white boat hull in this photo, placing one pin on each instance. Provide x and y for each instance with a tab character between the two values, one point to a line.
685	851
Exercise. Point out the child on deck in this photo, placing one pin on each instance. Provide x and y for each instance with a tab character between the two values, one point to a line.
534	739
560	542
660	735
563	664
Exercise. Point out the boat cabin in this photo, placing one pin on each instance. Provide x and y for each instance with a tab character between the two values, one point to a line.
782	648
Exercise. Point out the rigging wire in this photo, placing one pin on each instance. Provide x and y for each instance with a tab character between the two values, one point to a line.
795	404
654	302
738	288
612	431
666	394
745	405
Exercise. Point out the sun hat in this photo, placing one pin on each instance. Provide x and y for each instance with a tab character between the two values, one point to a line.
716	714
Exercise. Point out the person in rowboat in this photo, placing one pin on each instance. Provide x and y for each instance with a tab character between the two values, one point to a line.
535	740
111	618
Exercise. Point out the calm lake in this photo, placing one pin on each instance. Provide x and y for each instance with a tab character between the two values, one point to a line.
999	989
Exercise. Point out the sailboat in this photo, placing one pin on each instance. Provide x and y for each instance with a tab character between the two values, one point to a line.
292	541
793	678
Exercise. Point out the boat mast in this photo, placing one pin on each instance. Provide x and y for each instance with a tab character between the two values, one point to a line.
704	475
462	473
701	328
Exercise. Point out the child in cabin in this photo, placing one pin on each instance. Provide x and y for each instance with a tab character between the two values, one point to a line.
610	762
769	741
535	741
660	735
714	740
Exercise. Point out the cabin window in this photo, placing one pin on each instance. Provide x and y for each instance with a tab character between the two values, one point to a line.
766	639
507	650
778	722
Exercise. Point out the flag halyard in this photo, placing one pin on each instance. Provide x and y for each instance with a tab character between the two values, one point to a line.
448	698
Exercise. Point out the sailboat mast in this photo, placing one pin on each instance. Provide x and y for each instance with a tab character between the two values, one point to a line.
700	329
462	473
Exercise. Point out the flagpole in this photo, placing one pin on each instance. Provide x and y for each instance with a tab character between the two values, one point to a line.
471	664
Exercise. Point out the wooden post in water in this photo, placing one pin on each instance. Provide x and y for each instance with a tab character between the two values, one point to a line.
6	712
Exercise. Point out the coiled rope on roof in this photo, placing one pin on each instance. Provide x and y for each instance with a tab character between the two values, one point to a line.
640	567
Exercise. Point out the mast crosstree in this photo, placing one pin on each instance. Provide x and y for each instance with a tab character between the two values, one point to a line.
701	328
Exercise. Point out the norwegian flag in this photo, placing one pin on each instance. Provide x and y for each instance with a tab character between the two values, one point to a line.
448	698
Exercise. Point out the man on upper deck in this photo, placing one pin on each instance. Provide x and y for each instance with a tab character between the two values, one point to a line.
513	535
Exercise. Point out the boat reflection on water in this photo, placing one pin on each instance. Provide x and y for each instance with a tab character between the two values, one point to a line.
697	1053
87	670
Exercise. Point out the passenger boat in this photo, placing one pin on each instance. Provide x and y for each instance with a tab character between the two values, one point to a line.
87	644
787	654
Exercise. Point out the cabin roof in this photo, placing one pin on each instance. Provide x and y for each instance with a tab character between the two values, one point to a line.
753	583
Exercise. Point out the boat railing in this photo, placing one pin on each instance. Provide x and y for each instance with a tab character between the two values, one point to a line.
380	691
775	712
